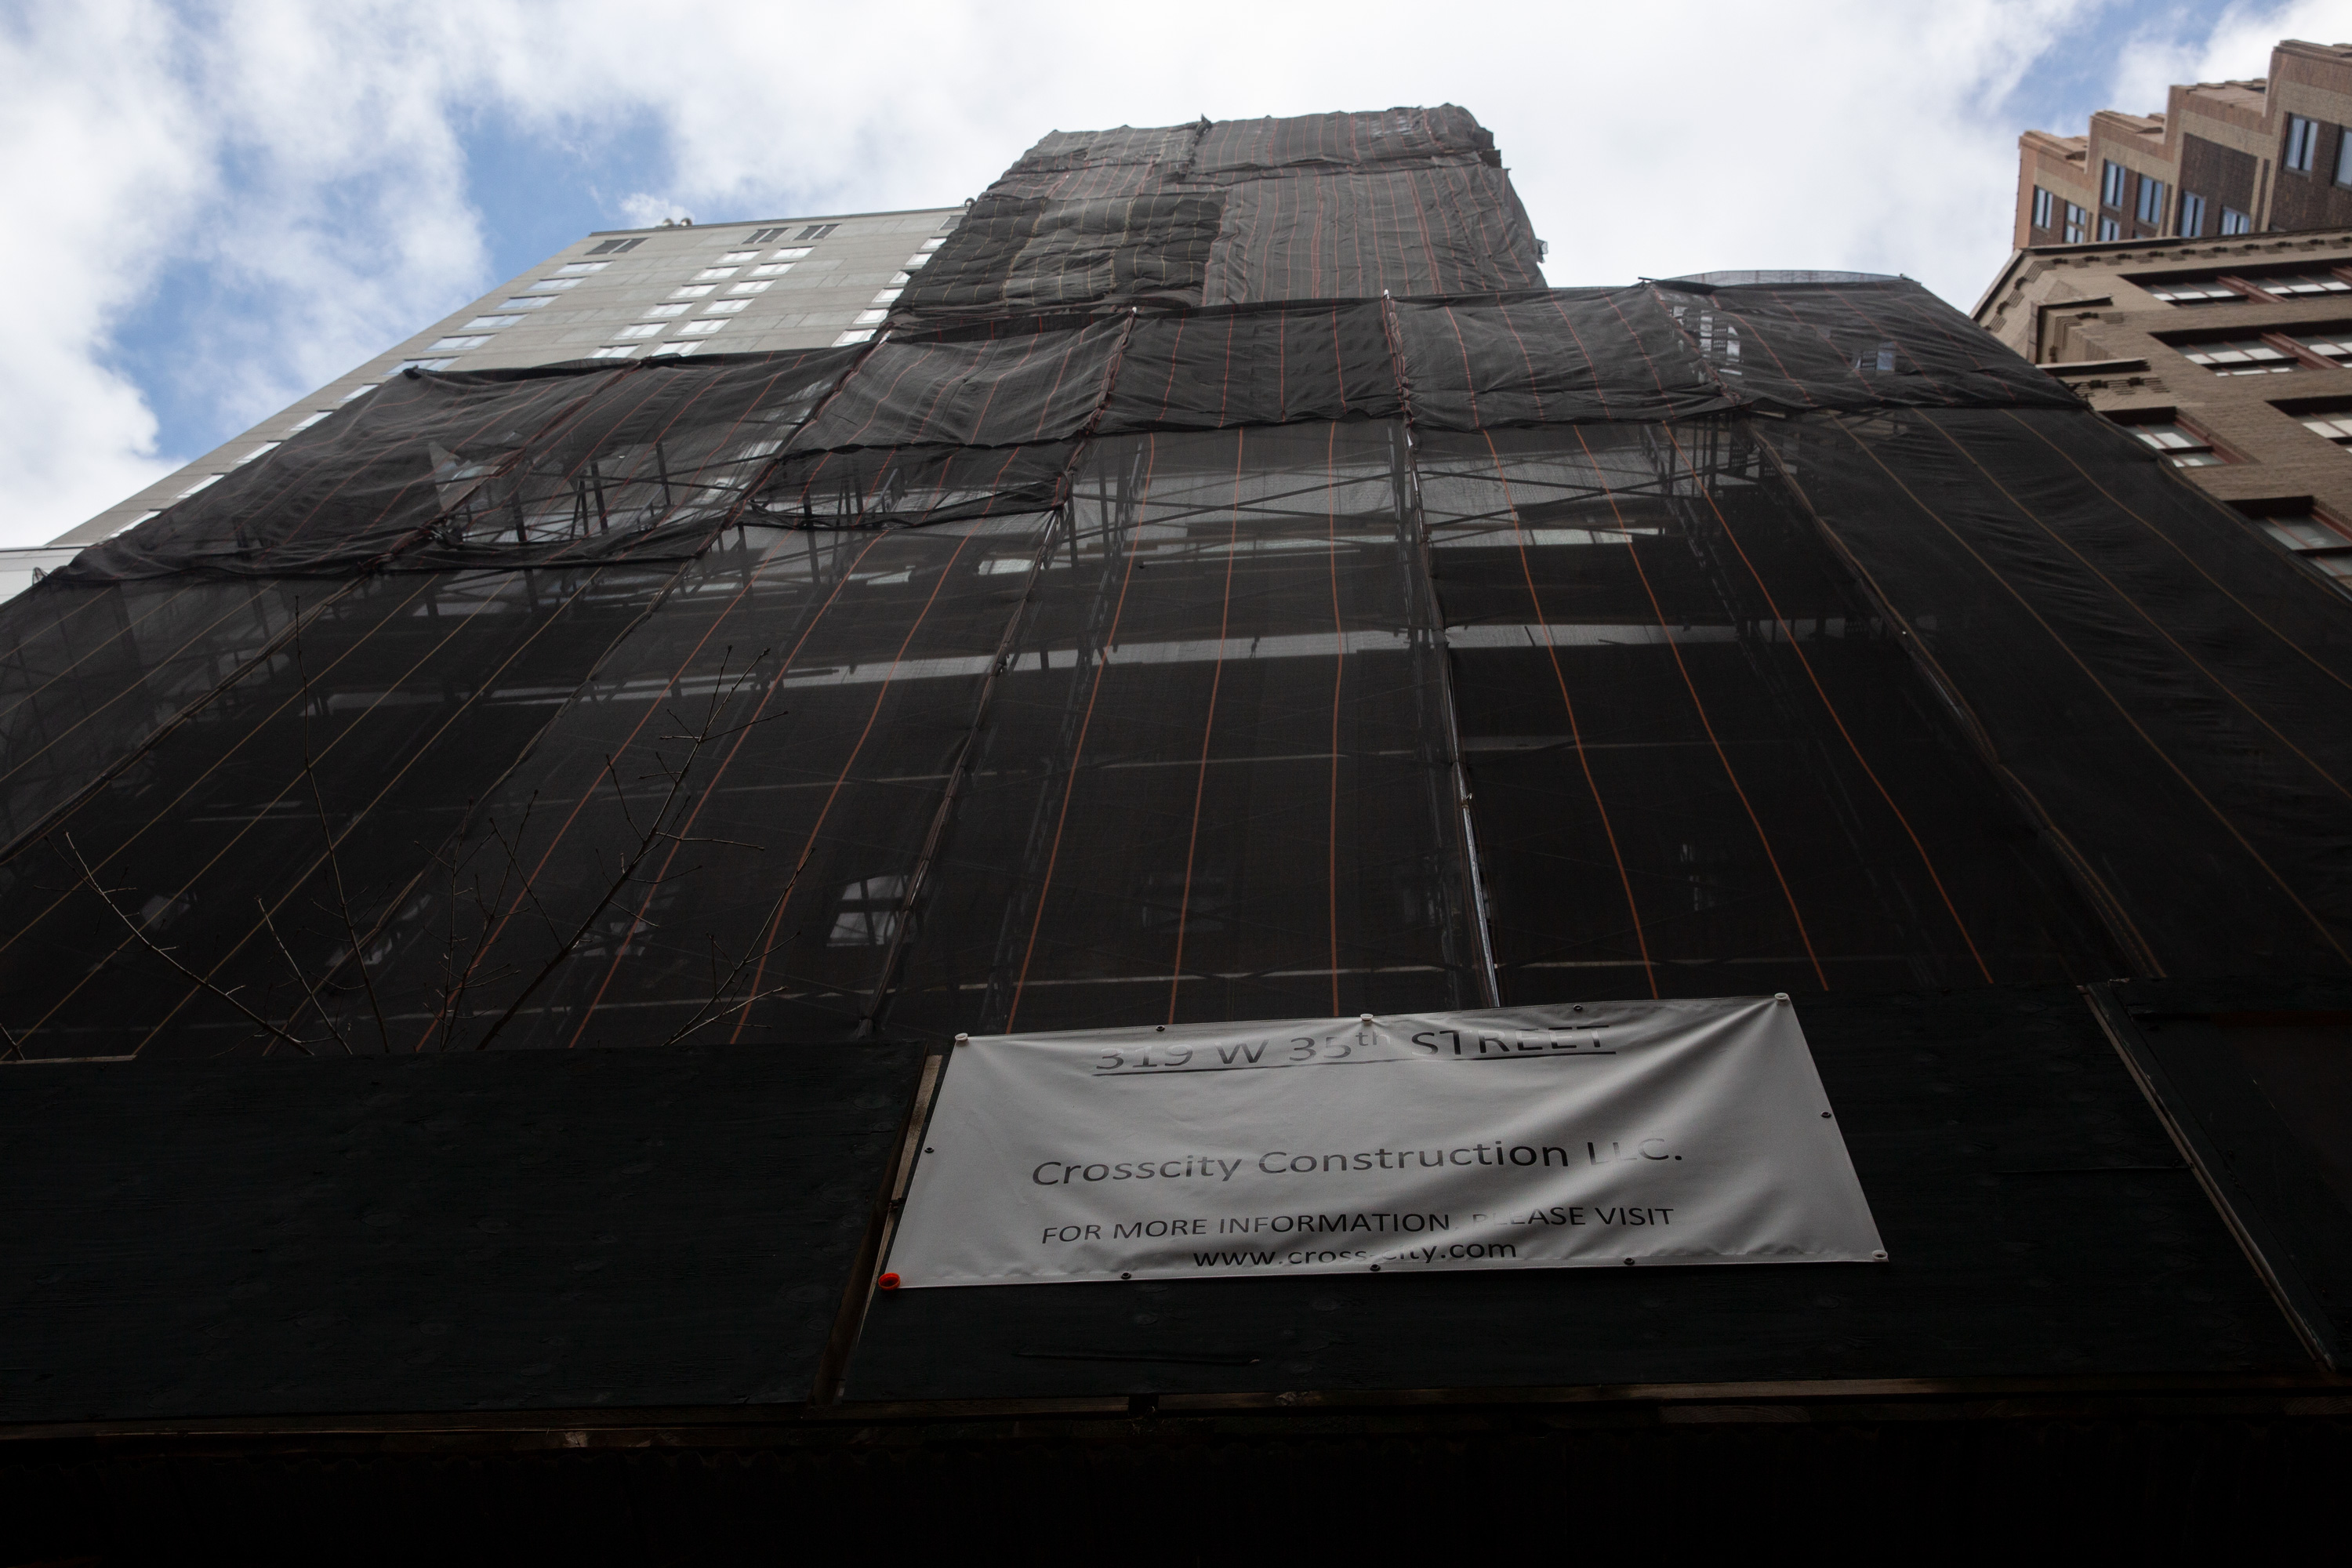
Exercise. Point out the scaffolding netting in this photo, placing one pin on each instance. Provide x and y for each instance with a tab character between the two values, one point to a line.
1197	604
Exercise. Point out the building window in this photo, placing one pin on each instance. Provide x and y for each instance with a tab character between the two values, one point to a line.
2111	184
615	350
652	310
2045	207
357	392
2336	427
527	303
455	345
491	323
200	484
701	328
2301	285
2235	222
933	243
672	350
2152	195
868	915
2078	225
2239	356
2192	214
771	270
2314	538
614	247
712	274
868	318
407	364
265	447
2193	292
747	287
920	256
814	231
2336	345
641	330
736	257
725	306
2110	229
2302	144
789	253
2344	158
765	236
2182	445
854	335
692	291
553	284
579	268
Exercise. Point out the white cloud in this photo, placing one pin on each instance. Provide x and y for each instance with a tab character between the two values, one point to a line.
308	164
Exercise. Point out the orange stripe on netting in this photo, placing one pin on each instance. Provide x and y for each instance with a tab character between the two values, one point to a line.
1635	339
1469	380
1094	689
1706	723
1209	727
1339	672
1789	636
1174	351
1575	733
2122	711
2174	545
1339	363
2225	687
1527	359
808	849
1599	386
750	579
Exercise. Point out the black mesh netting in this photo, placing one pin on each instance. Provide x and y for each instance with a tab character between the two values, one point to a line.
1293	655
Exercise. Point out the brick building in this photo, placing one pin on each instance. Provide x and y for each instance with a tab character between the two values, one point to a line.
2227	356
2224	158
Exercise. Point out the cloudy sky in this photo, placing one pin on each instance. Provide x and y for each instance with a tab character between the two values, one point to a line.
215	207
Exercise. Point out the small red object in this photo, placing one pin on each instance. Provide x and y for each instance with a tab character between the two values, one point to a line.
889	1282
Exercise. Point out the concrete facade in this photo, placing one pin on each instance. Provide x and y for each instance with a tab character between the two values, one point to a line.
2269	154
735	288
2225	356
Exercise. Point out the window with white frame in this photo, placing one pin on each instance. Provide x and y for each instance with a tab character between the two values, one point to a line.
737	258
2239	356
2335	344
2302	144
491	323
700	329
935	242
770	270
754	288
923	258
870	318
615	350
854	335
641	330
2335	425
453	345
2152	195
357	392
713	274
2314	538
553	284
200	484
310	419
674	349
2193	292
418	365
693	290
2182	445
2301	285
2078	225
579	268
664	310
725	306
526	302
258	451
2045	209
789	253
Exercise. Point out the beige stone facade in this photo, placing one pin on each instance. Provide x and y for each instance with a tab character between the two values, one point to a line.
2232	358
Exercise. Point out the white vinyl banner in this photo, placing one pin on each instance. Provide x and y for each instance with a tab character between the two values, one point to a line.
1609	1133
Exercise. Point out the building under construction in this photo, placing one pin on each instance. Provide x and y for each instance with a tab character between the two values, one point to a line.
489	886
